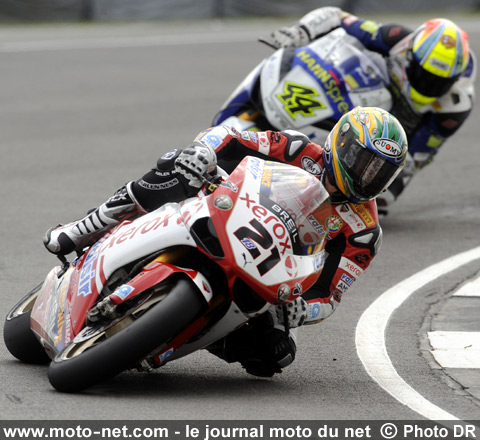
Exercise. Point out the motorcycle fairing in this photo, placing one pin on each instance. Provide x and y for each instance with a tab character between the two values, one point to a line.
326	79
153	274
59	313
51	318
311	87
263	251
133	240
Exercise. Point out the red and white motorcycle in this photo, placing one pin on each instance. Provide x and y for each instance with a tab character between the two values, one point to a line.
176	280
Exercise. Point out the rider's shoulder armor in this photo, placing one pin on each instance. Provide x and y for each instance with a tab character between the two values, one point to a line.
460	97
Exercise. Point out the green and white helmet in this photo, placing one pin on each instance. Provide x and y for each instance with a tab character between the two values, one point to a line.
364	153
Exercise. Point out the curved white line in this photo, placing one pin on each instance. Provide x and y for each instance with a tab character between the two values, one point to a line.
370	335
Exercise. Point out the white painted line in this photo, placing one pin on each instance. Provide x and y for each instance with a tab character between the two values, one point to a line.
124	42
471	288
456	349
370	336
457	358
443	340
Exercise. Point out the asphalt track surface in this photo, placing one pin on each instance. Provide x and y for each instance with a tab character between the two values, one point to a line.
85	109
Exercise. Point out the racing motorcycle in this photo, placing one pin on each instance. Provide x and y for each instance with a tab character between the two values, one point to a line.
173	281
308	88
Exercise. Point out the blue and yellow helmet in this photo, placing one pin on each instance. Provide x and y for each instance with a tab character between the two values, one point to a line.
364	153
437	56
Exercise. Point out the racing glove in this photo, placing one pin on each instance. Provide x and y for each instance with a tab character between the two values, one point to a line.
294	313
289	36
195	161
314	24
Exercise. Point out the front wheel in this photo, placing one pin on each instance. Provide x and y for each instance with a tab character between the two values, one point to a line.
18	335
89	360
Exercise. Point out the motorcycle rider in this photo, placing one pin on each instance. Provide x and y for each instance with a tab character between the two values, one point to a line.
431	70
363	153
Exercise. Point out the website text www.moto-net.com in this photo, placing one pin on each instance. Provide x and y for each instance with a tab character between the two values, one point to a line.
279	430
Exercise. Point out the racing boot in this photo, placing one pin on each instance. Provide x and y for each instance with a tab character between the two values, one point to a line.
75	236
262	346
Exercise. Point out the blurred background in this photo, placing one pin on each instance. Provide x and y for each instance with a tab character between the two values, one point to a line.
90	10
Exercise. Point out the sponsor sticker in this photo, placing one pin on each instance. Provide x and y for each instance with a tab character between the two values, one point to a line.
388	148
213	140
439	64
347	279
314	310
88	271
230	185
283	292
263	143
352	219
342	286
311	166
298	289
334	223
164	356
124	291
319	261
253	136
249	244
169	155
363	213
223	202
158	186
350	267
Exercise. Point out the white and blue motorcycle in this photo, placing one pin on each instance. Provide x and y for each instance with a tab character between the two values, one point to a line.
308	88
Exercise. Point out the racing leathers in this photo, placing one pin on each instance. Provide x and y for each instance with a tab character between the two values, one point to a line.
427	125
353	239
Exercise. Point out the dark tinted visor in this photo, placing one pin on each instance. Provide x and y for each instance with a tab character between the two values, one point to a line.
370	172
427	83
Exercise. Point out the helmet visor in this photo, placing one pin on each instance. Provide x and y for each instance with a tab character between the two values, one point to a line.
427	83
369	173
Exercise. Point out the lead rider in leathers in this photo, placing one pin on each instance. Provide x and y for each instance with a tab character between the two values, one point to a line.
354	169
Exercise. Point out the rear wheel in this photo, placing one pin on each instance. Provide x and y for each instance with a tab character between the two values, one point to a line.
19	338
95	355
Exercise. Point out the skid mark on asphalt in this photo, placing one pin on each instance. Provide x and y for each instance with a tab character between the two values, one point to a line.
370	335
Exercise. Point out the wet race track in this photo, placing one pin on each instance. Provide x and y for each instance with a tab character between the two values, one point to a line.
86	109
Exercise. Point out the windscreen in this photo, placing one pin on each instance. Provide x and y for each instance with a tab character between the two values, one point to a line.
300	201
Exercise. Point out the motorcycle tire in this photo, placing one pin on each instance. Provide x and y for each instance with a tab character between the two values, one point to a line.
19	338
158	325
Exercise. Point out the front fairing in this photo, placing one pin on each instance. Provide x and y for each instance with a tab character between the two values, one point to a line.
264	218
50	318
304	86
